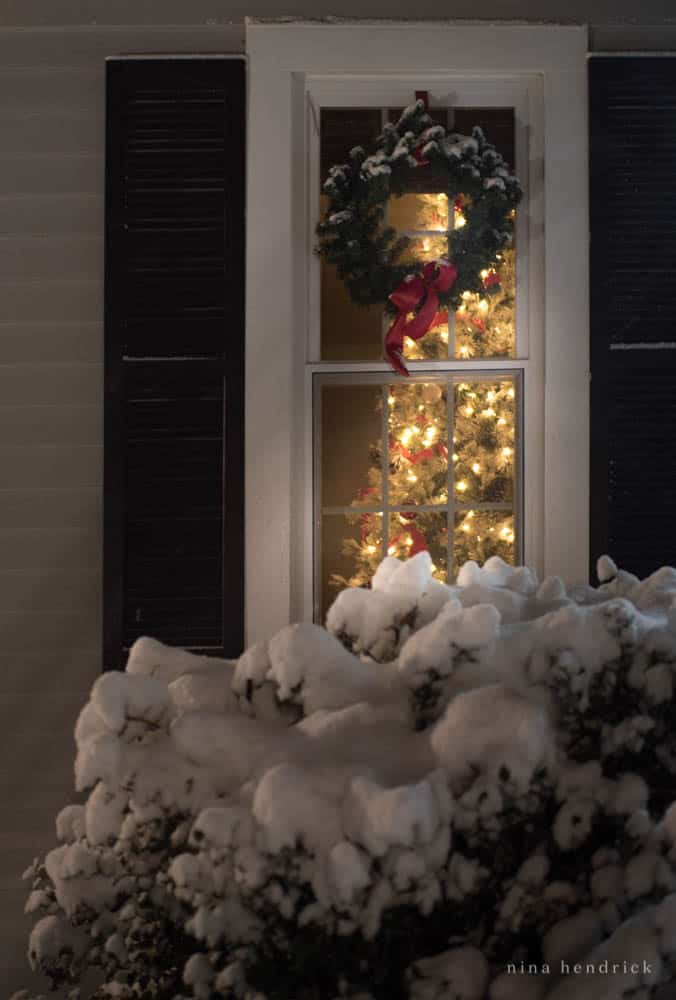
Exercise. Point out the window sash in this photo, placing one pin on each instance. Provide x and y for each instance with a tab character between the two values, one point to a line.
449	509
517	92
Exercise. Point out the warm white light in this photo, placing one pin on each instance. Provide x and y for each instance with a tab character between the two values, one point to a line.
464	351
476	468
406	435
371	549
469	410
409	540
506	452
412	478
391	550
484	274
488	412
455	457
462	486
465	528
391	400
510	393
483	306
460	221
444	336
501	422
490	396
467	296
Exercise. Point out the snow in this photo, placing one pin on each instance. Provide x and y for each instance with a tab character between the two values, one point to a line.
402	757
491	728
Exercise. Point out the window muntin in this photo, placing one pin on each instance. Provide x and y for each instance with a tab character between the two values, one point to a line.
441	459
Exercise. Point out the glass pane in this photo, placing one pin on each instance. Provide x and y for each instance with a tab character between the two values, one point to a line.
485	325
434	345
480	534
419	211
348	332
351	549
418	454
411	532
351	444
483	441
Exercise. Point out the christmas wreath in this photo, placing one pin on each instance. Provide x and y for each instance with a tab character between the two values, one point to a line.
372	258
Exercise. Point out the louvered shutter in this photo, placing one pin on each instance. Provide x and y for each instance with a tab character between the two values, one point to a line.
633	310
174	335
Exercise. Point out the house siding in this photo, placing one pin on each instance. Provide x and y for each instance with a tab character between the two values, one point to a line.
52	74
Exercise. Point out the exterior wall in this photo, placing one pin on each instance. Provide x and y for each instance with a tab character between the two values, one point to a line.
51	281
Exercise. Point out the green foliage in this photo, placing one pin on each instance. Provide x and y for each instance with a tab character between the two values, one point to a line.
368	253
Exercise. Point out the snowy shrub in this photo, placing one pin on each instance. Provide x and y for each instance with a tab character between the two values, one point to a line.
459	792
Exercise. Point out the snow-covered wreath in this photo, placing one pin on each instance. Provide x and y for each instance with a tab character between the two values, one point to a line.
374	261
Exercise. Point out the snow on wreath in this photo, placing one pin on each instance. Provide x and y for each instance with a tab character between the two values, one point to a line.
374	261
446	786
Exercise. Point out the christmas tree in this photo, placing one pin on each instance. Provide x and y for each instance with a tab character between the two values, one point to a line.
451	438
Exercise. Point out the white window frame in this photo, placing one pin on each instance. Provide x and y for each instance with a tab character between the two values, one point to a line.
293	65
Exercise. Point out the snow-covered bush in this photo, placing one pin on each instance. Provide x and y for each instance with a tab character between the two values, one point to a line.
450	792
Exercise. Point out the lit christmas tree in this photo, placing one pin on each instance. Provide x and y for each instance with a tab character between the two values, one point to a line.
462	447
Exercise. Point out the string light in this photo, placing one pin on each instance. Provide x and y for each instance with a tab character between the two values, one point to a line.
462	486
371	549
476	468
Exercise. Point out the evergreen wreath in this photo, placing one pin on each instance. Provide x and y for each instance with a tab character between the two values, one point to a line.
368	253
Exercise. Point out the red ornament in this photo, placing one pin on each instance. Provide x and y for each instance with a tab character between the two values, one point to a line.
491	280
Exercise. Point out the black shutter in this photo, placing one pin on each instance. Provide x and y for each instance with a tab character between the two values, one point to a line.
633	310
174	355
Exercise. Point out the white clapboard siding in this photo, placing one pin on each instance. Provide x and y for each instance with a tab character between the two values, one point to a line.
44	258
65	299
51	425
64	508
50	590
55	131
49	672
86	46
49	466
51	384
51	174
73	343
52	90
52	214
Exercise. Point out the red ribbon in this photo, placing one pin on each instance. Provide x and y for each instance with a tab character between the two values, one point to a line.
417	292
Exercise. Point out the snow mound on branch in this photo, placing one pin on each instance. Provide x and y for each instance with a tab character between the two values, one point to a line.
493	729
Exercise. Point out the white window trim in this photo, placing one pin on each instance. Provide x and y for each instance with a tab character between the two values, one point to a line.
282	57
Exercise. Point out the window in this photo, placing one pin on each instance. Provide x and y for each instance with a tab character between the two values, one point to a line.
317	387
432	462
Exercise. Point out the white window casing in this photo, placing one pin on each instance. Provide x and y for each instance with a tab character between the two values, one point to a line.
296	68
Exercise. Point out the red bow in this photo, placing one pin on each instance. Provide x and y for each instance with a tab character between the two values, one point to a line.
417	292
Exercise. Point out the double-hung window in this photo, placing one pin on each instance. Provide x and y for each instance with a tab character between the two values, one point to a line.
435	461
483	450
